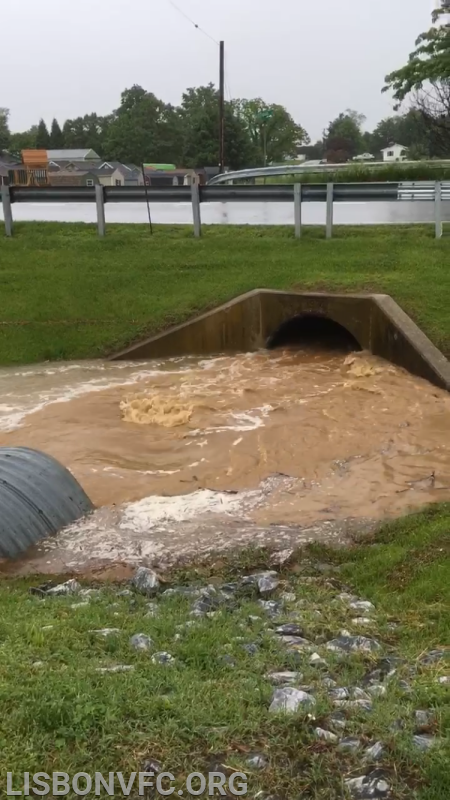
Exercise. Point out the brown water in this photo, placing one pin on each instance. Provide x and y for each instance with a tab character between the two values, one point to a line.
299	437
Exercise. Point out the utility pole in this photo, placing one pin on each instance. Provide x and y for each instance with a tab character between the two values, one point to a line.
222	108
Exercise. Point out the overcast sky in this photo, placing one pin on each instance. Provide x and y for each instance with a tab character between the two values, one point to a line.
65	58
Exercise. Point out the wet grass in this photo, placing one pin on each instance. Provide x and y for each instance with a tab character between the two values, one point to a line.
202	714
65	294
354	173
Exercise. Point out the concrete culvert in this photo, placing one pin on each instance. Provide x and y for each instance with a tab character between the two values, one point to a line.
313	331
38	497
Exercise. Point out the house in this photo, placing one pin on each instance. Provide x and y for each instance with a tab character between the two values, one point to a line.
73	155
32	171
395	152
7	163
70	177
90	173
114	173
172	177
210	172
4	173
205	174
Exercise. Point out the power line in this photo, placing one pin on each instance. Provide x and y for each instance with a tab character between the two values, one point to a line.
189	19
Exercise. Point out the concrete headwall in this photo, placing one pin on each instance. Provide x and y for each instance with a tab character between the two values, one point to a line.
246	323
353	312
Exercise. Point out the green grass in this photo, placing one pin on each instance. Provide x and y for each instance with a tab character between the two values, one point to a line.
355	173
66	294
63	715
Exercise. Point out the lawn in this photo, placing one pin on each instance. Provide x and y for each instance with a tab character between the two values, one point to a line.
209	709
66	294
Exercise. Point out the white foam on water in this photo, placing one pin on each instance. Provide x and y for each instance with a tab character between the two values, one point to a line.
30	400
126	532
244	421
154	511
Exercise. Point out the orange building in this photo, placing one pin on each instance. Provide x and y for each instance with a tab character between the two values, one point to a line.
32	171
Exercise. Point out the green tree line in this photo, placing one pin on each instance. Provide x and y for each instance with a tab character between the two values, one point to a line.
146	129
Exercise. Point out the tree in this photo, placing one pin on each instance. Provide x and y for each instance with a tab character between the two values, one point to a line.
343	139
313	152
42	136
408	129
26	140
144	129
426	78
4	129
271	127
199	115
56	136
89	131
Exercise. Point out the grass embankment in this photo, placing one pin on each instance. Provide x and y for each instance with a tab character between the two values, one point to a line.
367	174
59	713
66	294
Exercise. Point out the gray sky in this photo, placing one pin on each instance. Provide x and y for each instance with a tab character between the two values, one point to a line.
65	58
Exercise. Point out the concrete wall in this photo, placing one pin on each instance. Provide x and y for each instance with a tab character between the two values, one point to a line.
353	312
245	324
234	327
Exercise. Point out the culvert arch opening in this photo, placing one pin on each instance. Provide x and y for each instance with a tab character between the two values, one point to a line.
313	332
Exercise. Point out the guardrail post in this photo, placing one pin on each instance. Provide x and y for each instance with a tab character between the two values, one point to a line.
195	196
100	203
298	209
438	208
7	210
329	222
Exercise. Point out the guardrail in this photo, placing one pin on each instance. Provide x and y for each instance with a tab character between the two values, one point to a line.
297	194
312	168
422	190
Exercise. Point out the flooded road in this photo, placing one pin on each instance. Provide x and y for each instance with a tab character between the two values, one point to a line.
345	213
186	453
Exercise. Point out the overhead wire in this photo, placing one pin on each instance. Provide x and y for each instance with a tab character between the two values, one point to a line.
205	33
192	22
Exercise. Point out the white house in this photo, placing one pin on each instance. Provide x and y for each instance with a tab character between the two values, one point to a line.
395	152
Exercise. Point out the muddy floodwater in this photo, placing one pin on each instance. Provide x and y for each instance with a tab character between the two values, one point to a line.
190	454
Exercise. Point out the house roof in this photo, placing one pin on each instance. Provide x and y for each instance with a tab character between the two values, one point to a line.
394	144
68	173
102	170
116	164
68	155
80	166
168	172
7	164
32	157
210	171
7	158
126	170
64	163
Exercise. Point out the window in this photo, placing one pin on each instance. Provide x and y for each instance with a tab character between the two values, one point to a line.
403	152
89	182
390	153
118	182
